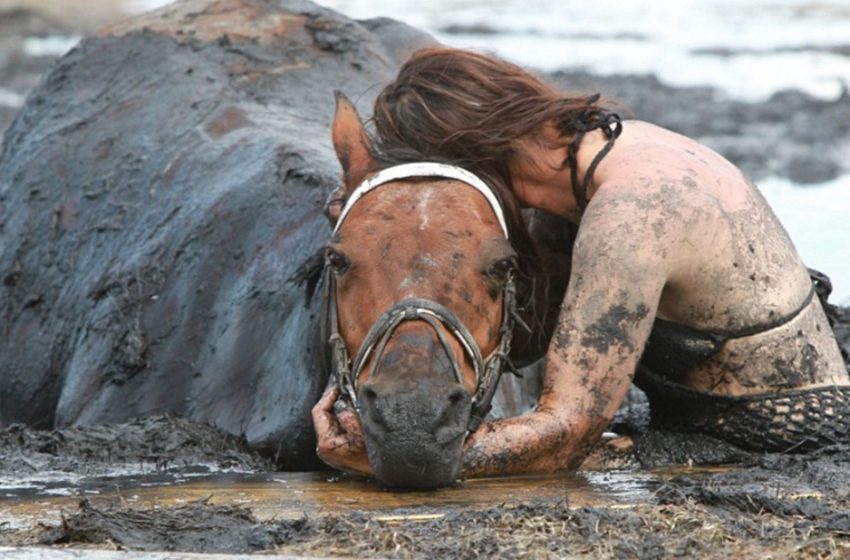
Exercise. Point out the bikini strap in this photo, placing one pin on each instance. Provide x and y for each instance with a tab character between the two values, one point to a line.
758	329
611	125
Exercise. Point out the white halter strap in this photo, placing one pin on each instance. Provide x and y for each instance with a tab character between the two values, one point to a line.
425	169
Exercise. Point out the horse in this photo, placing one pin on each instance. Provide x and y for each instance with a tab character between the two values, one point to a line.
421	280
153	217
153	224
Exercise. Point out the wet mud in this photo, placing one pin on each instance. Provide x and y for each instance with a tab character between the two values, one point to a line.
153	444
628	506
779	507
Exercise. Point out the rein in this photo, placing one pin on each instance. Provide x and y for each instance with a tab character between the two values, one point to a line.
442	320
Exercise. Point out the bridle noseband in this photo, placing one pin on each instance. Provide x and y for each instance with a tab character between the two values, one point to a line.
487	371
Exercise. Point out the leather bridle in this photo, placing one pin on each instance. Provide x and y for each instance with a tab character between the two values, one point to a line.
443	321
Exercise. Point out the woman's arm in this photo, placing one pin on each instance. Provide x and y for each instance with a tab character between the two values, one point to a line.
620	266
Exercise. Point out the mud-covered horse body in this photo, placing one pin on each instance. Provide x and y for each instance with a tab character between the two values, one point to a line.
157	194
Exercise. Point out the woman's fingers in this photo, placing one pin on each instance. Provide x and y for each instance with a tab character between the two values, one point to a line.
324	420
339	438
349	422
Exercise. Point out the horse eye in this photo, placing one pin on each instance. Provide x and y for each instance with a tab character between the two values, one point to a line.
501	268
337	261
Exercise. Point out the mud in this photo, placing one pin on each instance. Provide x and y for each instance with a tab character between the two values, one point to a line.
764	505
154	444
778	507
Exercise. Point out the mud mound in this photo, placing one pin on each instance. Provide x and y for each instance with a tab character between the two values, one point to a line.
194	527
659	448
661	530
164	442
811	486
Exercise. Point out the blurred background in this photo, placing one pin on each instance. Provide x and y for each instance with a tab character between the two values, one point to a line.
765	82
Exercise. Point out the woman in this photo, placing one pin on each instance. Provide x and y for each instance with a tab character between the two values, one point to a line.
678	259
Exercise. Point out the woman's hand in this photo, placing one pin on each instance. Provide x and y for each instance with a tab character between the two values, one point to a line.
339	436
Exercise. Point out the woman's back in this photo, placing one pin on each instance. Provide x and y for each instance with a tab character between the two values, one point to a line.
734	271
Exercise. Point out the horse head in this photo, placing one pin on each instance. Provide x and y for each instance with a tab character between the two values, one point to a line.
420	282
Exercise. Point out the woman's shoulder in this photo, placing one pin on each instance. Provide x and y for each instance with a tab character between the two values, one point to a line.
666	149
657	167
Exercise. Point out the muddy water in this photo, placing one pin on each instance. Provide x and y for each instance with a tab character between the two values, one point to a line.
282	496
167	484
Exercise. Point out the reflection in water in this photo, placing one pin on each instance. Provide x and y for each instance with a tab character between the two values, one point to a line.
292	495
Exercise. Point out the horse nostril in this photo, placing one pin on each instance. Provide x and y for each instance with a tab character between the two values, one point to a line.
371	406
369	395
454	415
453	419
458	397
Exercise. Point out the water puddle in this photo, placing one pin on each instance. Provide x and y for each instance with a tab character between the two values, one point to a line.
293	495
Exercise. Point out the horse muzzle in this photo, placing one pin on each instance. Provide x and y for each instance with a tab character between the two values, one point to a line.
414	414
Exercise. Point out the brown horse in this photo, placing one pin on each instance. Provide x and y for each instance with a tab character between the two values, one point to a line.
420	276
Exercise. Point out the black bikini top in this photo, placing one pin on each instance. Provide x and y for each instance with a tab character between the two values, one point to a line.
674	349
591	119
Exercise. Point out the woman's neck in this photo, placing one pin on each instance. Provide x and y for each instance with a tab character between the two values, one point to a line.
592	146
542	180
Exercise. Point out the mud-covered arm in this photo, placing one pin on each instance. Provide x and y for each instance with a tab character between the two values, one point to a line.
619	270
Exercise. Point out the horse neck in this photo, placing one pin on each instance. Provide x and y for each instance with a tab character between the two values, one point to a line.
553	238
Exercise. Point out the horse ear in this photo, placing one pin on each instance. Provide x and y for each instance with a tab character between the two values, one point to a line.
352	144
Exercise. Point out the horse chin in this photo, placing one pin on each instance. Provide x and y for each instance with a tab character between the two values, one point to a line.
416	461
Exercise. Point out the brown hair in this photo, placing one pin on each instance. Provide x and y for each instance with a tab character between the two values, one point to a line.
471	108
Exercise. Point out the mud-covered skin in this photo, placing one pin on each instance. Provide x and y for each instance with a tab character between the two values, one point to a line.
158	193
672	230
